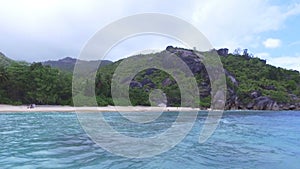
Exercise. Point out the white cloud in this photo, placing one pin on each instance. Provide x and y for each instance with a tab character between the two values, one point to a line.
272	43
296	43
237	23
54	29
263	55
57	28
288	62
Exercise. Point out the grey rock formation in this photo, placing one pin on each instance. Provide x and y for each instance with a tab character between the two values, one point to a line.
148	82
135	84
232	78
292	107
223	52
263	103
166	82
255	94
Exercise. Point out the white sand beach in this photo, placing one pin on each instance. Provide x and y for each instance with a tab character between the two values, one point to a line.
57	108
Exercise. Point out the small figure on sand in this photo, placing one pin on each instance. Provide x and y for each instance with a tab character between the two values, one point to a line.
31	106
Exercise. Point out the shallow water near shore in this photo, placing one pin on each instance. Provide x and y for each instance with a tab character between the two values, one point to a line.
243	139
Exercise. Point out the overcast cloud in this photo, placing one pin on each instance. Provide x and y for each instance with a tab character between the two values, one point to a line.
35	30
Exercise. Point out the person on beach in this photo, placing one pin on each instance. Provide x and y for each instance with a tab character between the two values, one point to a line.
31	106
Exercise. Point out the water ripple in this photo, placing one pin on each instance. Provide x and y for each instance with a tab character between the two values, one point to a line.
242	140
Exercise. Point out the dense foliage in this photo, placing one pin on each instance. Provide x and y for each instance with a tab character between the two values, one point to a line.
245	75
4	61
23	84
40	84
253	74
67	64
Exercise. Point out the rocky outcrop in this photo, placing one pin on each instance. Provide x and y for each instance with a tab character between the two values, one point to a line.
150	71
255	94
232	78
258	102
166	82
158	98
223	52
294	105
144	82
148	82
134	84
289	106
263	103
189	57
254	100
232	100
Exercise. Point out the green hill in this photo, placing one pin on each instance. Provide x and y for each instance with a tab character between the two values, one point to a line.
67	64
251	82
5	61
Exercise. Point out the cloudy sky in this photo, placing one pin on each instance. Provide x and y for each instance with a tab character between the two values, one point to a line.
37	30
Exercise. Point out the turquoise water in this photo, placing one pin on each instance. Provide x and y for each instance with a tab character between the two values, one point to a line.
242	140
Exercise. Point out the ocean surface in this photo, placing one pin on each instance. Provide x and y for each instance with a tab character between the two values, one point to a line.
243	139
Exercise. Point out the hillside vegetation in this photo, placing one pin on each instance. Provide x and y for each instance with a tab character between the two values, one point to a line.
251	83
4	61
67	64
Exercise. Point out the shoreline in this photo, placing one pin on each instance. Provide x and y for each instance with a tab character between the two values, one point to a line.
58	108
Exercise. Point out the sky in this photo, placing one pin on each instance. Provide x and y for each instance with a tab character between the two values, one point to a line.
40	30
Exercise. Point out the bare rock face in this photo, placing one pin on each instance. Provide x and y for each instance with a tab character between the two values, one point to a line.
231	99
254	99
292	107
148	82
150	71
188	56
158	98
255	94
223	52
232	78
263	103
166	82
134	84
